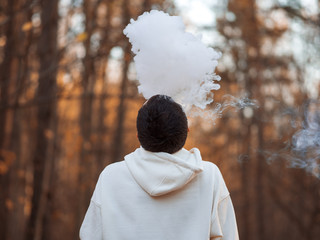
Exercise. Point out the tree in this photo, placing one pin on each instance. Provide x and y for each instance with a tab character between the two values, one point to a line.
46	92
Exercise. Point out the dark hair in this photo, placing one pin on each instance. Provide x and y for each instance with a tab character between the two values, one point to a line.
162	125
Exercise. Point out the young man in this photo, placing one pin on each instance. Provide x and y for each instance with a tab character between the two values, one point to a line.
161	190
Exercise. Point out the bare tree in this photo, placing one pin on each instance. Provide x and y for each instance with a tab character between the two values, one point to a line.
42	161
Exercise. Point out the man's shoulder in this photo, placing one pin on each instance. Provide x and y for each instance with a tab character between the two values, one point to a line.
216	175
210	166
212	171
114	168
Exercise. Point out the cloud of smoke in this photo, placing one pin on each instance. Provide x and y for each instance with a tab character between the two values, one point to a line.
172	62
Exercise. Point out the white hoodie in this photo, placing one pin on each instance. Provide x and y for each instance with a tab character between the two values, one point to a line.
159	196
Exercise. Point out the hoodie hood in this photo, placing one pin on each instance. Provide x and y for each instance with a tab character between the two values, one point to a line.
159	173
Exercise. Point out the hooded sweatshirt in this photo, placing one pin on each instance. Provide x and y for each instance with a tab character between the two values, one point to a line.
160	196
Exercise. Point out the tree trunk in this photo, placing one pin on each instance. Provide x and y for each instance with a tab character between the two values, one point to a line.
121	111
47	52
88	83
253	171
245	180
102	113
16	218
118	136
5	76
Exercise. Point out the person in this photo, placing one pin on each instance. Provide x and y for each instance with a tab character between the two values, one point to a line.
161	190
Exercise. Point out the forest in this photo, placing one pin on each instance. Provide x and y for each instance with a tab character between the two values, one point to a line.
69	102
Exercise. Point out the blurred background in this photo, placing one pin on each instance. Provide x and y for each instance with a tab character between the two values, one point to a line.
69	100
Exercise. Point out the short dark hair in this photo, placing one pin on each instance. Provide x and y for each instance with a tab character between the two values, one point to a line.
162	125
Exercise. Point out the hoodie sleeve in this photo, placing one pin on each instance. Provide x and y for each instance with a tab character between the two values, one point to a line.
223	225
91	228
227	220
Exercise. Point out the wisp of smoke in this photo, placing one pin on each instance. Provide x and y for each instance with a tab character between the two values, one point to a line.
306	142
228	102
303	151
172	62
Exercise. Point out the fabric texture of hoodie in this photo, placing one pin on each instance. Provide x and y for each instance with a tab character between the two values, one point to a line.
160	196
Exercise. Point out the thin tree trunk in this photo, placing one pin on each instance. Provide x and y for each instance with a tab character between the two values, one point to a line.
50	187
105	48
256	65
16	218
245	177
250	32
5	73
121	111
88	82
47	52
147	5
102	112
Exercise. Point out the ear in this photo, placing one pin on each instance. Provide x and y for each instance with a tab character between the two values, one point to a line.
188	130
137	135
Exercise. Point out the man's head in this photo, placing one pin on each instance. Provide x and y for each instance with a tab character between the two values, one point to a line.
162	125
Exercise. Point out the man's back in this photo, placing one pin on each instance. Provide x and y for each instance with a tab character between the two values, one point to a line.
160	196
